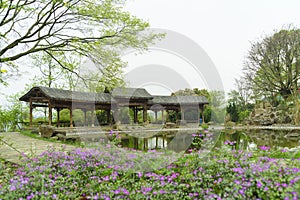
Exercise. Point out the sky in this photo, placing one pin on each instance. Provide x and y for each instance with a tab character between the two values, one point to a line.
223	29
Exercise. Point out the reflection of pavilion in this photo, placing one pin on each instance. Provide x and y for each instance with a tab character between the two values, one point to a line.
137	99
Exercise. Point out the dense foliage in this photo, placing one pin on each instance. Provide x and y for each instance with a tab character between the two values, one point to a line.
108	173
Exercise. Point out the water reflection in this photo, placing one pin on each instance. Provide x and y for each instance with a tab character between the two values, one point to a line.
236	139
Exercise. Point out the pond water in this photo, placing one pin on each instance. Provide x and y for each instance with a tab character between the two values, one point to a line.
237	139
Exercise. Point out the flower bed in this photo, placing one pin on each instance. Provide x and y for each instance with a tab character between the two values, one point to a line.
112	173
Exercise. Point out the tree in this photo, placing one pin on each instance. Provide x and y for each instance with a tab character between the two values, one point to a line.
193	92
238	108
217	103
51	74
14	114
215	110
273	64
88	28
243	91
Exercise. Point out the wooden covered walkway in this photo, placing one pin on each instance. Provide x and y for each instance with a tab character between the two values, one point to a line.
137	99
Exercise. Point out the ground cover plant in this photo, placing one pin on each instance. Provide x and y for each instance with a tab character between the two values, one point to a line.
107	172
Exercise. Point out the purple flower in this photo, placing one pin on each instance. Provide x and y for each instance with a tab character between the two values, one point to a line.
13	188
140	174
258	184
264	148
162	192
125	192
284	185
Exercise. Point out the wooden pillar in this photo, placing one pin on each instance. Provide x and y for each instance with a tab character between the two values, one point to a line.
162	116
30	112
145	144
156	142
177	116
145	117
166	116
58	117
136	115
135	118
182	114
108	116
71	117
155	115
198	115
136	143
203	114
117	115
84	115
50	113
93	117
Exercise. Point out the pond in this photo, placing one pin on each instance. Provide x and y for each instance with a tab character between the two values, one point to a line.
237	139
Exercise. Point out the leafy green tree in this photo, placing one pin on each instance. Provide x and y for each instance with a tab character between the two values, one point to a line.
88	28
218	106
232	110
272	65
12	117
238	108
215	110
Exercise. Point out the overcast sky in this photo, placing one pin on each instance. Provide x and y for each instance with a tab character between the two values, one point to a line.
224	29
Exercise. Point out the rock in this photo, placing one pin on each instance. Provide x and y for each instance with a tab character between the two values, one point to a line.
182	123
287	119
61	137
266	122
35	131
54	138
264	114
62	132
170	125
293	135
46	131
69	138
72	138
